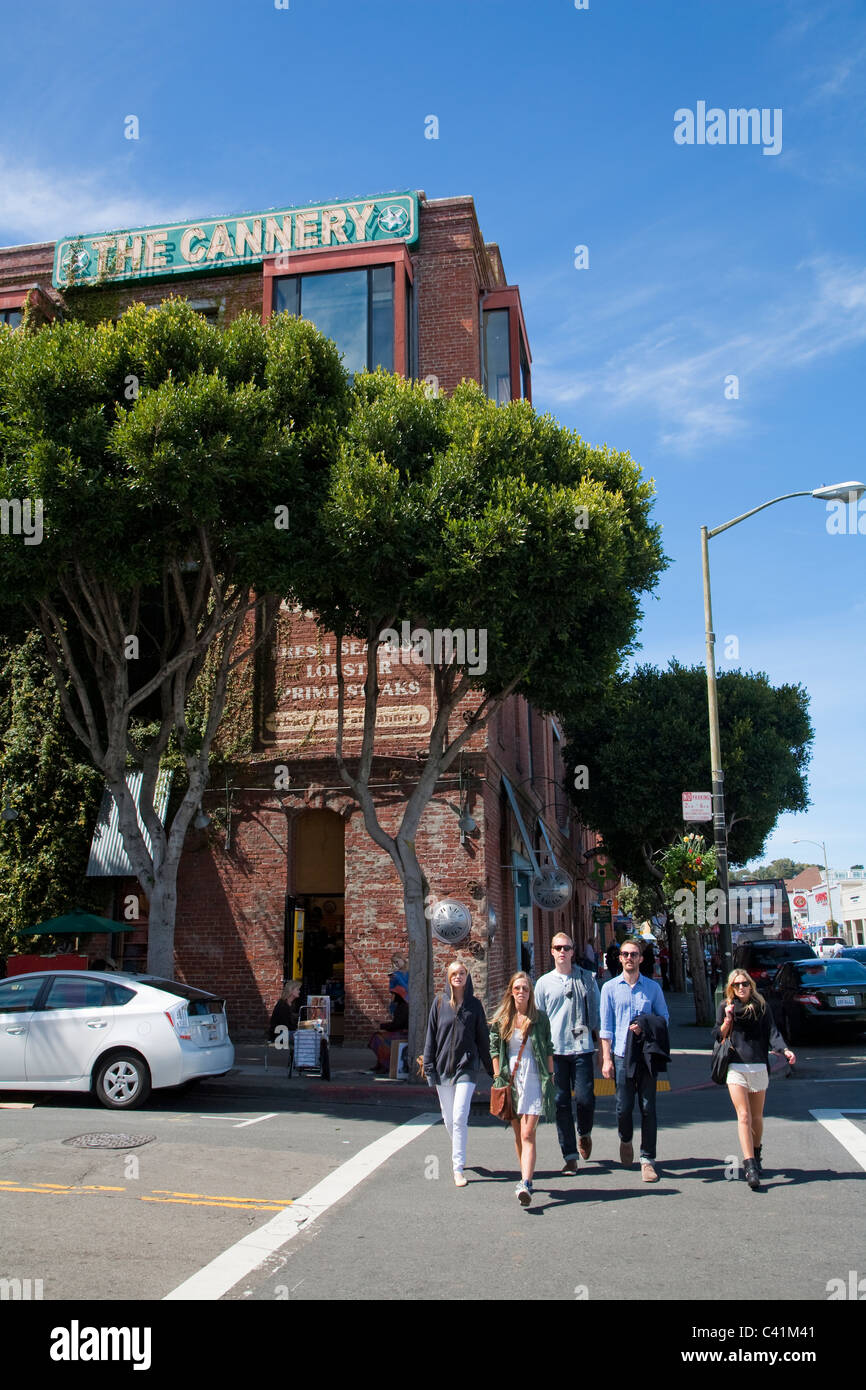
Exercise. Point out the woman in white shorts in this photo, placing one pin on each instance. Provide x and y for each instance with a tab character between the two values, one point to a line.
745	1018
521	1049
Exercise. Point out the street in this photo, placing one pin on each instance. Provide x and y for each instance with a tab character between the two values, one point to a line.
244	1192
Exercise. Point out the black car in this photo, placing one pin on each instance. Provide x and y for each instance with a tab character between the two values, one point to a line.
761	958
823	995
854	953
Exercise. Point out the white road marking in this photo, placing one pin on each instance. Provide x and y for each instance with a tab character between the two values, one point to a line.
848	1135
258	1119
241	1259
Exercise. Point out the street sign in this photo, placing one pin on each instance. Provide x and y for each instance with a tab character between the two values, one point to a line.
601	913
697	806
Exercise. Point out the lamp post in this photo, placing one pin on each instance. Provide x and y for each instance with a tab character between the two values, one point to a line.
846	491
821	845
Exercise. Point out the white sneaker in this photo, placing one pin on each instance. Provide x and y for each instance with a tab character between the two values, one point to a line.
459	1179
523	1194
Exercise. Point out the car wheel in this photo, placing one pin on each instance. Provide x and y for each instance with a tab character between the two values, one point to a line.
122	1081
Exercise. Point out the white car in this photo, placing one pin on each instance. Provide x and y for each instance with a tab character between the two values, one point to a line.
827	946
114	1034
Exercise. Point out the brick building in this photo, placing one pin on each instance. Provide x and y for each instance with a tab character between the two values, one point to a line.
411	285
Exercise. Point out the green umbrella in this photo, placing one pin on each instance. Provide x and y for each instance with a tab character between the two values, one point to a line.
77	923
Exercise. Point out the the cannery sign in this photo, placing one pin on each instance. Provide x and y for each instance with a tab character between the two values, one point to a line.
218	243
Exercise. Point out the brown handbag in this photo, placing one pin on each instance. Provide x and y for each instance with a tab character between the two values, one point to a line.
501	1104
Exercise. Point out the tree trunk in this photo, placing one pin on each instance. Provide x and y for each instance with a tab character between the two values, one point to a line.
675	957
420	958
161	920
703	1009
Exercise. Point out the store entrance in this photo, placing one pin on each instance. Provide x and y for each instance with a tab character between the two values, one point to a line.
319	917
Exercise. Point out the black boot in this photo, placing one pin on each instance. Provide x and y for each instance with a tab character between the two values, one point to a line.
752	1177
758	1164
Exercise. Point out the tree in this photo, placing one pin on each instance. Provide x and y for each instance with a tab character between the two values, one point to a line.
644	742
779	868
172	469
459	517
52	791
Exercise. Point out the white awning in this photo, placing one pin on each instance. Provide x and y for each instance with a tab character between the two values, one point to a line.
108	858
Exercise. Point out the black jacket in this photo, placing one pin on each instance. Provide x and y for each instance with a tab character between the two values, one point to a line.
751	1038
457	1043
651	1045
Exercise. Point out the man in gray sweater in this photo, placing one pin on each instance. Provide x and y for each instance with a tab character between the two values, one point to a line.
569	996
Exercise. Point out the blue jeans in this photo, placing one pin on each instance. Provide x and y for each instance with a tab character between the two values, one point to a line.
573	1073
642	1085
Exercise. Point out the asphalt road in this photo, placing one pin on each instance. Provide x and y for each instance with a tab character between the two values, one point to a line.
225	1170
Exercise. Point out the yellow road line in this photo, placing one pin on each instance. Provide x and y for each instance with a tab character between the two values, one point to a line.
192	1199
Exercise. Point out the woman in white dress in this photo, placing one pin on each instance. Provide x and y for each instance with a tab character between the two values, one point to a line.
520	1047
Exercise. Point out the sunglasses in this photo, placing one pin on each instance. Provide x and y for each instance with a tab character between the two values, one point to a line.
562	948
629	955
742	984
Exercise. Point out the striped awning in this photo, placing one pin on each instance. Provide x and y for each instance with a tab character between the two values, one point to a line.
108	858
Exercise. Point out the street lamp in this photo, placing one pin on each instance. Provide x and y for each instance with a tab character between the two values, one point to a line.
846	491
821	845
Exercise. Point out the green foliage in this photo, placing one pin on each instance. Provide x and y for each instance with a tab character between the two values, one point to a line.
686	861
646	741
452	512
779	868
138	435
45	778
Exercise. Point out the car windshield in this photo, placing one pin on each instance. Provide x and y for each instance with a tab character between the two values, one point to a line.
833	972
787	950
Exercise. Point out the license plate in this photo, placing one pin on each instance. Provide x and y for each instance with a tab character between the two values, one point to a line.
211	1032
845	1001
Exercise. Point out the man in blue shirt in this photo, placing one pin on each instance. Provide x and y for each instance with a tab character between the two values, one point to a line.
623	1000
569	996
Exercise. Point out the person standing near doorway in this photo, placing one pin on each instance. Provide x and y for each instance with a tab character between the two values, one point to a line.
569	996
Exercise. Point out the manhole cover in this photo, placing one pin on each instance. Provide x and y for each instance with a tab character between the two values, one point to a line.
109	1141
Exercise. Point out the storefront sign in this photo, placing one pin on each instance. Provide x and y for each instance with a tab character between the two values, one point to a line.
601	914
219	243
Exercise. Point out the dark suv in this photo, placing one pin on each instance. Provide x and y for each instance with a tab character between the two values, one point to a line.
761	958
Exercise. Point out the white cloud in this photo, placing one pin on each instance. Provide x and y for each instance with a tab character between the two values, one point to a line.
670	371
39	204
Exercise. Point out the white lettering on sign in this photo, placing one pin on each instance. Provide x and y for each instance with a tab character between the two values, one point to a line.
187	250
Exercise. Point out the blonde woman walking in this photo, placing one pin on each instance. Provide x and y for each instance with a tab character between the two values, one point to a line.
521	1048
744	1017
454	1049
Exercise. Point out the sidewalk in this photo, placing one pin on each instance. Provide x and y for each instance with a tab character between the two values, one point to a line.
352	1077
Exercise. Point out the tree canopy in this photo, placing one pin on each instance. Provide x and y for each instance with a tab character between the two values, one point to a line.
173	468
646	742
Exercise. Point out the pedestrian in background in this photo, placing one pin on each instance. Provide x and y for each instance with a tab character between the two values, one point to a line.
521	1048
611	957
455	1048
568	994
743	1016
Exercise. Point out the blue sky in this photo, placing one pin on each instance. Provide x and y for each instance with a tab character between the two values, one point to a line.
705	261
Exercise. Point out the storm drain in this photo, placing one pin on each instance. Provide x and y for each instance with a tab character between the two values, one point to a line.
109	1141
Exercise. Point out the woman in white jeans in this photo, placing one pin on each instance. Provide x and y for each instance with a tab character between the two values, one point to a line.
455	1048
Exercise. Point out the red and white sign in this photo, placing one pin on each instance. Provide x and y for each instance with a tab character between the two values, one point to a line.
697	806
799	900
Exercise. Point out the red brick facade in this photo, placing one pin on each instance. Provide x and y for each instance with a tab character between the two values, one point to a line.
241	878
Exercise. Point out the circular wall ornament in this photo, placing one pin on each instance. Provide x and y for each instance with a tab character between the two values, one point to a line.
551	889
450	921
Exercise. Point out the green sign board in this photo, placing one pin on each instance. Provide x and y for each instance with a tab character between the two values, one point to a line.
213	244
601	913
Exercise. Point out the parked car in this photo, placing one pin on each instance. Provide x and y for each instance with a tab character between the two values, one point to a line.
855	953
761	958
117	1035
808	995
826	944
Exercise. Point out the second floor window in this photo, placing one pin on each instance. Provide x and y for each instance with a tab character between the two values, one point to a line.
353	307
